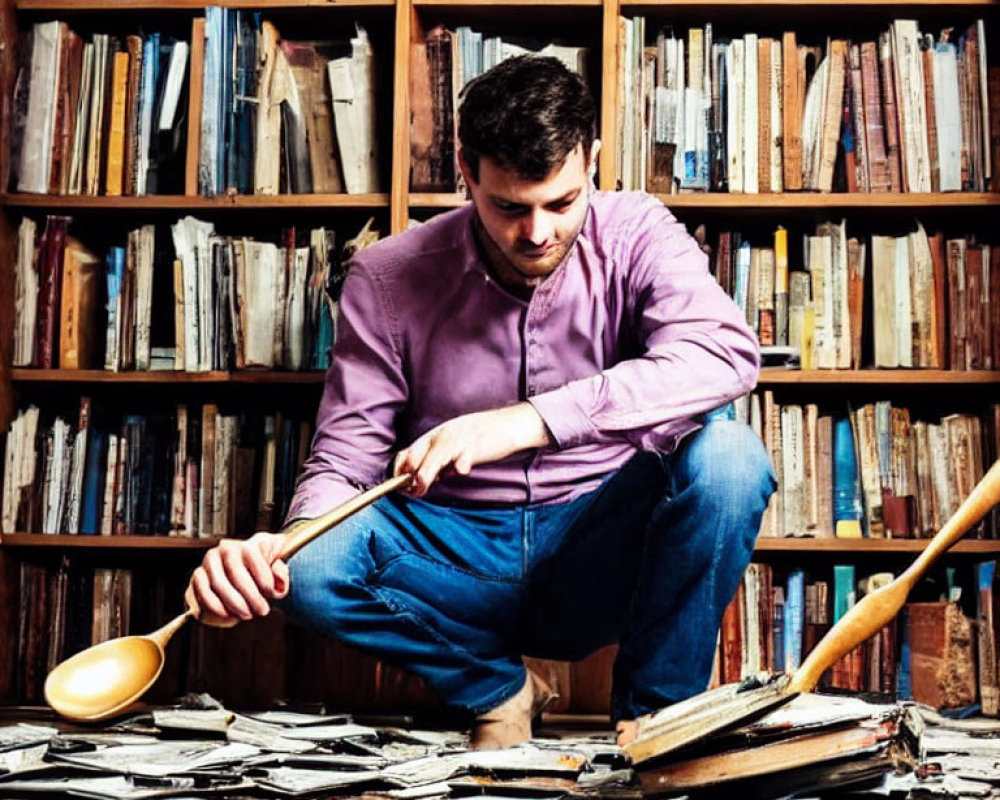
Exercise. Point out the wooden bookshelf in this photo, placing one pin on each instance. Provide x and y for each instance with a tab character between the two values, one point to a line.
777	5
186	203
21	375
769	376
915	378
106	542
783	201
185	5
764	544
399	20
867	546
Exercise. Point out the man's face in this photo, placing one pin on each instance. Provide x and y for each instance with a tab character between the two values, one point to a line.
532	223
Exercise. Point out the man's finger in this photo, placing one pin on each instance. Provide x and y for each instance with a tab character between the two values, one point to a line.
437	458
261	573
208	601
412	459
281	578
221	583
244	567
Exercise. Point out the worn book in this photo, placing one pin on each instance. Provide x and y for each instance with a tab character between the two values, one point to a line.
942	666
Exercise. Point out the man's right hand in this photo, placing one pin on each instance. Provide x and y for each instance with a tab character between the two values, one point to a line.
237	579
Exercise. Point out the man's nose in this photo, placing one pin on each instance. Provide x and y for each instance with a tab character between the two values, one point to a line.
536	227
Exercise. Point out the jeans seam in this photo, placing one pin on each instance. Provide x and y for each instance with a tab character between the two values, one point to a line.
419	621
380	569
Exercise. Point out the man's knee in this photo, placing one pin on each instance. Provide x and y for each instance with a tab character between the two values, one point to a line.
326	578
727	459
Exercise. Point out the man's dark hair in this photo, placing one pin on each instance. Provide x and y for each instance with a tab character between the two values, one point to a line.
527	114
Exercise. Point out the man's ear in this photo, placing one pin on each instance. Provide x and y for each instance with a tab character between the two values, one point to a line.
466	170
595	150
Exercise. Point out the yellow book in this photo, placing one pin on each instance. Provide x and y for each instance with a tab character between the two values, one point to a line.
79	331
807	345
116	131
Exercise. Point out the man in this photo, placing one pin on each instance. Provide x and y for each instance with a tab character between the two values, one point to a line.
546	358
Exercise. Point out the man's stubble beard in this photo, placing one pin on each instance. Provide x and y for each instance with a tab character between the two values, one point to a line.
509	268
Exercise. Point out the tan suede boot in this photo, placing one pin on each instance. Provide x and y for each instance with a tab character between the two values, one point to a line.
509	724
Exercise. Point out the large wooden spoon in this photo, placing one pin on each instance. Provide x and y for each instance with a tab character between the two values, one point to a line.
107	678
733	704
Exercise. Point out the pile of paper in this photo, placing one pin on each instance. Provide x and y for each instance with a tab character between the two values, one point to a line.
215	752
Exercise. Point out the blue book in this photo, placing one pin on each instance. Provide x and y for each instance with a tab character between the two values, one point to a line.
904	682
843	590
147	101
795	615
115	273
989	670
93	481
323	341
741	283
241	133
226	98
847	506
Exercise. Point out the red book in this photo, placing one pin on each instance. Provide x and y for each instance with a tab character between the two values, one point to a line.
890	118
878	163
50	264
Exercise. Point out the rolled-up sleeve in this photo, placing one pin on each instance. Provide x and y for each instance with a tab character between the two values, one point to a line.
698	353
363	392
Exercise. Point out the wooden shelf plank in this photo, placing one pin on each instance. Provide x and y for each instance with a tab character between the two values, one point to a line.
771	376
845	200
801	545
21	375
106	542
522	3
184	5
764	544
770	202
188	203
763	6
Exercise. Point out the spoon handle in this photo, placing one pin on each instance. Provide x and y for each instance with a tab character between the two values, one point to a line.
302	534
162	635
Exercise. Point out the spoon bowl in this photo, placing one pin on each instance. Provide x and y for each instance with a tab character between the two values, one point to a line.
107	678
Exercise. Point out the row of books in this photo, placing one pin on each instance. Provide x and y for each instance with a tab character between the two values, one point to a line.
193	472
106	116
874	471
772	625
906	112
441	63
776	618
184	299
283	116
884	301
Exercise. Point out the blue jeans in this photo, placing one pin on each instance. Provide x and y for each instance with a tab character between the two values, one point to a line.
457	595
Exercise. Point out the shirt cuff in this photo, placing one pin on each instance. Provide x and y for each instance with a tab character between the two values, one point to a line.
569	424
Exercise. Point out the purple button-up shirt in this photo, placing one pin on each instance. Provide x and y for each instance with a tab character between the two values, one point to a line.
619	349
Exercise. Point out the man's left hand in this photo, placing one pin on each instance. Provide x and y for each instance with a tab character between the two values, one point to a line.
468	440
